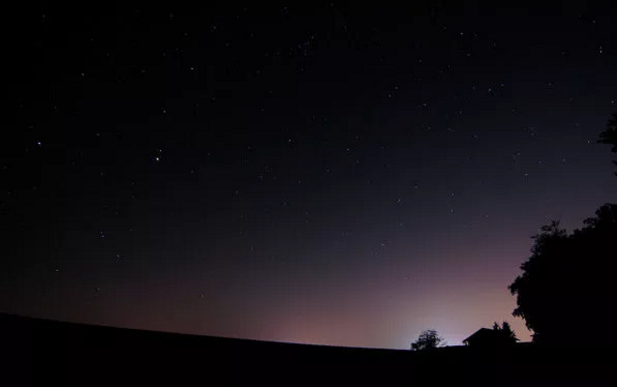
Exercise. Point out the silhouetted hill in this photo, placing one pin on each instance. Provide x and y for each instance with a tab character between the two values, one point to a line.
37	351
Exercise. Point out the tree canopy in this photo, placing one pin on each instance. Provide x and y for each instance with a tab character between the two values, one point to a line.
609	136
506	333
428	339
566	289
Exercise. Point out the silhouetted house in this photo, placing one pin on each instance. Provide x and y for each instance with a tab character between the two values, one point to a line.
485	337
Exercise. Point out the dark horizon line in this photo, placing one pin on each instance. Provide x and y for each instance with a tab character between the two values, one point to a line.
5	314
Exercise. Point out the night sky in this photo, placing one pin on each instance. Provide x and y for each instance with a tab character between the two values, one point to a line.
331	174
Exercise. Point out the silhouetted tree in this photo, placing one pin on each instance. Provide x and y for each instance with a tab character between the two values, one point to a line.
609	136
428	339
566	289
507	333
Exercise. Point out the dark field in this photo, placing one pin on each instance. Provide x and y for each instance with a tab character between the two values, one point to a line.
41	352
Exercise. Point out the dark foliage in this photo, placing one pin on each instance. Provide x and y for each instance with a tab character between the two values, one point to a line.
566	291
428	339
506	333
609	136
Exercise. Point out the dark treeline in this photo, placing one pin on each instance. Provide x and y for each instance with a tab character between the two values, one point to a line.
567	290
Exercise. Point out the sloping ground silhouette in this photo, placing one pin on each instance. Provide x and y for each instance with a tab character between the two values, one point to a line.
40	352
